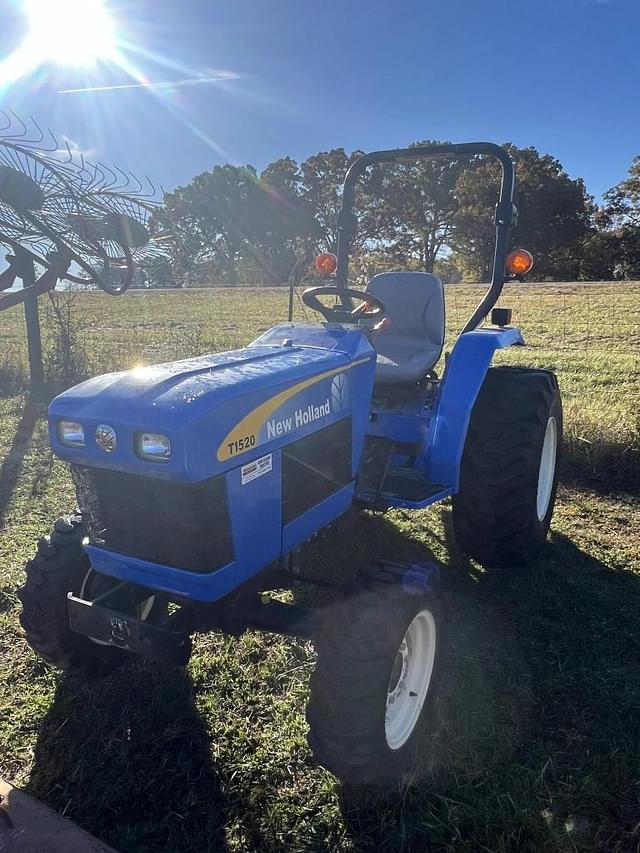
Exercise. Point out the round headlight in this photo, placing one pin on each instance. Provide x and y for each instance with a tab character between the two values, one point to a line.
153	446
106	438
71	433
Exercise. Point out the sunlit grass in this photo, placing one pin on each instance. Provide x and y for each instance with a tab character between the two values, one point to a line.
589	334
538	748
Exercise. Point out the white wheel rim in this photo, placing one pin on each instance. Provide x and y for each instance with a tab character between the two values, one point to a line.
546	476
144	608
410	679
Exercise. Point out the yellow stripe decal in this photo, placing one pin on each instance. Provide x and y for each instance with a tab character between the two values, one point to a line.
244	436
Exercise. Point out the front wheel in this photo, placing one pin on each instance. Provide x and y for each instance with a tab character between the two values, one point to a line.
374	689
509	470
61	566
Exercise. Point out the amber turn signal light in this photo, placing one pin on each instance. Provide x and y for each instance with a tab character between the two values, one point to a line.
326	263
519	262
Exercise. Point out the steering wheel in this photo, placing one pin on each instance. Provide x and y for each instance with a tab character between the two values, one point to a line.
370	306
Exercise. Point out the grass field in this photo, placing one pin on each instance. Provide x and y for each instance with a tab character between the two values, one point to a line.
539	748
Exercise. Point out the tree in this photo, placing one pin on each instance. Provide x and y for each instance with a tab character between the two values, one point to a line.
321	191
622	202
229	215
198	217
415	218
158	272
447	270
291	229
619	224
611	254
555	214
422	214
627	264
598	257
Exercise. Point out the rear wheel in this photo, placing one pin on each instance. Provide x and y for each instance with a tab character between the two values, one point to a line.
61	566
374	689
509	471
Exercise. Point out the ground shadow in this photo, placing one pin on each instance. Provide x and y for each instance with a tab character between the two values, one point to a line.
602	465
13	463
337	556
536	748
540	714
129	759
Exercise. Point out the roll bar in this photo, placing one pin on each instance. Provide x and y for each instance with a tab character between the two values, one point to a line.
505	216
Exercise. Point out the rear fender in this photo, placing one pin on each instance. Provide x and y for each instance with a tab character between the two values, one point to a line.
464	374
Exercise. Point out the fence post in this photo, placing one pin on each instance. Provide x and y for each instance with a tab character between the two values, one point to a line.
32	322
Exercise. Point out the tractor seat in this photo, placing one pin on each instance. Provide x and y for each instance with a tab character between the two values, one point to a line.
412	343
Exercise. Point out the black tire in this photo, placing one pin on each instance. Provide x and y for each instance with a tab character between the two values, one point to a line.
357	642
495	513
60	566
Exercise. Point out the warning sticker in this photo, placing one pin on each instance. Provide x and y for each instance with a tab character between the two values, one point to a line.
256	468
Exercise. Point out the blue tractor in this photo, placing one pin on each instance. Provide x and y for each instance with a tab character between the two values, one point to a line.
199	482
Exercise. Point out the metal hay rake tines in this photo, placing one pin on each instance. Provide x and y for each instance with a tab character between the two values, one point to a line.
117	228
54	204
39	190
116	220
115	208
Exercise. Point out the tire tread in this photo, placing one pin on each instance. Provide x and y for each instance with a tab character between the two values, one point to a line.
494	510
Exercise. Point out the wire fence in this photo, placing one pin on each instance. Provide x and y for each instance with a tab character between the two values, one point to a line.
578	316
566	325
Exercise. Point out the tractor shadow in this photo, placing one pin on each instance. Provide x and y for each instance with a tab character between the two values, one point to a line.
13	463
335	558
541	690
128	757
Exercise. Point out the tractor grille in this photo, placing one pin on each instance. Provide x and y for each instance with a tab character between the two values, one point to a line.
315	467
183	525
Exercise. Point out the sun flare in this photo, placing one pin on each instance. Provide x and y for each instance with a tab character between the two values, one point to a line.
69	32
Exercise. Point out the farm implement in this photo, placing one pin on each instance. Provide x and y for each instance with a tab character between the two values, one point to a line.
200	481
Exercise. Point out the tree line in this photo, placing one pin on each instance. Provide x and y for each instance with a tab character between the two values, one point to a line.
234	224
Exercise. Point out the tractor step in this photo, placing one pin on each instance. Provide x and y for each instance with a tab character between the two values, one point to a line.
408	487
376	457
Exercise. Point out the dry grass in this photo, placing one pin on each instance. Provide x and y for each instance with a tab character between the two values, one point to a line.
541	712
588	333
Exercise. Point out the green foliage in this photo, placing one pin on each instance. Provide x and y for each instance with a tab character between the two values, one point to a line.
418	214
628	254
619	223
554	215
414	217
157	272
230	214
447	270
321	190
599	256
623	201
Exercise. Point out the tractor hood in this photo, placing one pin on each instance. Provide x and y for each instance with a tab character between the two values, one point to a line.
217	410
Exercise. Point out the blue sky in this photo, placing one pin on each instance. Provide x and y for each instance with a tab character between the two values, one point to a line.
301	76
